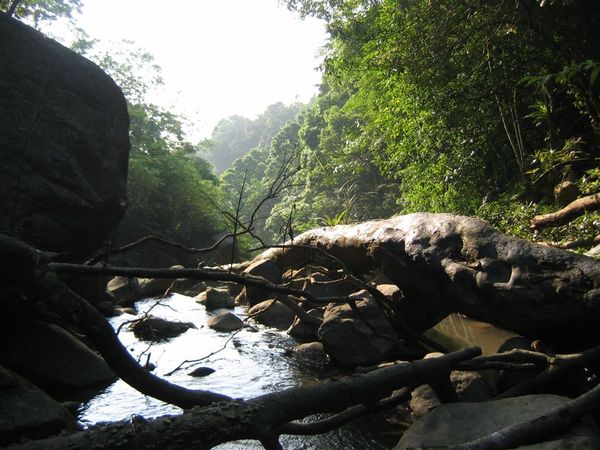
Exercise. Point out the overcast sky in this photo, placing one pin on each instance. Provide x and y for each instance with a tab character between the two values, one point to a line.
219	57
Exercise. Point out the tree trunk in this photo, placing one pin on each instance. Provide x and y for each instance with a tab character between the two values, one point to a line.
446	263
258	418
570	212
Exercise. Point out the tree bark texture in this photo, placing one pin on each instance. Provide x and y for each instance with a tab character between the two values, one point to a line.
570	212
257	418
446	263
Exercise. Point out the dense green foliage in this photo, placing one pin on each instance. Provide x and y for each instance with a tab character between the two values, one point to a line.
172	190
467	106
42	10
235	136
463	106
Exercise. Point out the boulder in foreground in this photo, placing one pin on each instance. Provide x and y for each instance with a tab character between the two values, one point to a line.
457	423
64	135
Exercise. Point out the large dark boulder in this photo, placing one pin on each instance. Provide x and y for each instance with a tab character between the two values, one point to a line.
446	263
52	358
458	423
64	144
28	412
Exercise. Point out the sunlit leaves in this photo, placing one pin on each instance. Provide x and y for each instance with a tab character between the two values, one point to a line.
43	10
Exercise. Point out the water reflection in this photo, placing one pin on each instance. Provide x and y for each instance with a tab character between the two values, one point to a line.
465	331
251	364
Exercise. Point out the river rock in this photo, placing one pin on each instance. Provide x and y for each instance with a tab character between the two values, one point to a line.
312	352
225	321
303	331
457	423
234	289
124	288
156	329
193	290
28	412
216	299
272	314
261	268
201	372
52	358
470	387
295	278
183	285
325	285
154	287
350	339
64	135
391	291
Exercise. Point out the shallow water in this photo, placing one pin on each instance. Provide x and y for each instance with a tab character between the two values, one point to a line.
466	331
251	363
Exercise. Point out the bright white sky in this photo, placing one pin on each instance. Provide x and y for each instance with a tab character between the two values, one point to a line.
218	57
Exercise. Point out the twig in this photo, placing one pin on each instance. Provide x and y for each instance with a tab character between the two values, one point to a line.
337	420
210	274
557	368
154	238
540	427
193	361
237	215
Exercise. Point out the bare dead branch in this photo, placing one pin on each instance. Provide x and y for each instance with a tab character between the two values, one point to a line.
570	212
206	274
102	336
194	361
558	367
260	417
237	215
154	238
348	415
539	428
580	243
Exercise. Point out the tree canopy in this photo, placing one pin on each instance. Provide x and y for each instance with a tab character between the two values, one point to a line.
172	189
41	10
470	107
235	136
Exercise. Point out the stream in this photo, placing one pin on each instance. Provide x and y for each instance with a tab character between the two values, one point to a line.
252	362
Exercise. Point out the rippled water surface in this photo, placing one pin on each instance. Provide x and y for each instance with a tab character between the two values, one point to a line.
248	364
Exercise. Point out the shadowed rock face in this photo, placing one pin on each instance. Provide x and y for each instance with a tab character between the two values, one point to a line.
64	144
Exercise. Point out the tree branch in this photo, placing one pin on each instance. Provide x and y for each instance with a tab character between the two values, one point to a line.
538	428
557	368
261	417
199	274
570	212
348	415
154	238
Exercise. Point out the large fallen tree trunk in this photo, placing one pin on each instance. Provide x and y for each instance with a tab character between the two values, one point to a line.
443	263
446	263
258	418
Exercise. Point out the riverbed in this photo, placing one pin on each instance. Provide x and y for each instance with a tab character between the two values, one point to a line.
253	361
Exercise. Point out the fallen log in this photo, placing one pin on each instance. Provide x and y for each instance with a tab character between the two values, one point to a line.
261	417
570	212
446	263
